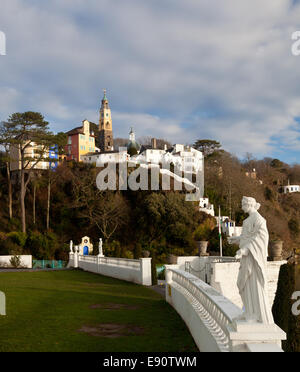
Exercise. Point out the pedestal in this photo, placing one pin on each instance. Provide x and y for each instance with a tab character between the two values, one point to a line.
254	336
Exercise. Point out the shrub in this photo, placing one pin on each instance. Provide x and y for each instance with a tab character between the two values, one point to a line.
153	268
18	238
138	251
42	246
11	244
112	249
178	234
15	261
294	226
203	232
129	255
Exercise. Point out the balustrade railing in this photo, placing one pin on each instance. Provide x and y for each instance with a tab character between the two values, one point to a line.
137	271
134	264
215	311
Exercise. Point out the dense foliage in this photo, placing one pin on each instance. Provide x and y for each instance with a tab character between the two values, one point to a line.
131	222
282	313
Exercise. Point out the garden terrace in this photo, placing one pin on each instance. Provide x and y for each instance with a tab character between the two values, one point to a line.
75	311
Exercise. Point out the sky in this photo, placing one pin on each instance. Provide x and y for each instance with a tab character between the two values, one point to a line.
181	70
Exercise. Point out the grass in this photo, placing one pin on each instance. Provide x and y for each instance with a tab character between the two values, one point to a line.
45	310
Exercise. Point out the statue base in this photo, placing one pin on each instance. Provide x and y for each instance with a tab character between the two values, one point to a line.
251	335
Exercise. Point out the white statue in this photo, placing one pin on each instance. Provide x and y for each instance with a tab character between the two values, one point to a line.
100	248
71	246
252	280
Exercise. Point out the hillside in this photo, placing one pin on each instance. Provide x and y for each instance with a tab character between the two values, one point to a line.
162	222
226	182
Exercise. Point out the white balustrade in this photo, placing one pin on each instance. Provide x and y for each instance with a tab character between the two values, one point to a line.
214	310
137	271
211	317
113	261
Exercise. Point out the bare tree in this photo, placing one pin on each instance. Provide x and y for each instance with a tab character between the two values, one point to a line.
108	211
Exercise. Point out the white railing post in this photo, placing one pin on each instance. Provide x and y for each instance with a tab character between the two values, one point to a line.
71	255
100	248
71	259
169	280
76	256
145	269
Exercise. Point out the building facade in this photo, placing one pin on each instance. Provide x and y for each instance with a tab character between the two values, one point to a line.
291	188
32	151
81	141
101	158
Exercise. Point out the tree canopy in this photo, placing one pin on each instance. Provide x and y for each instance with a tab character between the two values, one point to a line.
207	146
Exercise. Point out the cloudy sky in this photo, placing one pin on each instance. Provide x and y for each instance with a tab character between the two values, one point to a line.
174	69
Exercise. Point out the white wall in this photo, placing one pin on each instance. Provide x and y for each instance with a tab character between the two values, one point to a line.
136	271
222	274
224	278
26	261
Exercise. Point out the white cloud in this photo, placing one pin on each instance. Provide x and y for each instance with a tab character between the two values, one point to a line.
175	69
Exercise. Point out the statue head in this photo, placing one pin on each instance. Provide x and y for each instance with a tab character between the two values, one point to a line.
249	204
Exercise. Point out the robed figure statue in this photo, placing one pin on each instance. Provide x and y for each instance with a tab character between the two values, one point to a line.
253	253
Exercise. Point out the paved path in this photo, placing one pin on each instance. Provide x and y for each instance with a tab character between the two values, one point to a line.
160	287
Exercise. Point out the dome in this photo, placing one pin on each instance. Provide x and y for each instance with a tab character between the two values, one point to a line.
133	148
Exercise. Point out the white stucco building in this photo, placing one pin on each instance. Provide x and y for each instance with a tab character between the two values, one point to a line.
229	228
291	188
99	158
185	158
206	207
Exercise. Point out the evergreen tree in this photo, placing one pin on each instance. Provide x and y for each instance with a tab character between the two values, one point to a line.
23	131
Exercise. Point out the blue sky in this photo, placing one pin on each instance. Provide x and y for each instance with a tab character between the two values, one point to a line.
174	69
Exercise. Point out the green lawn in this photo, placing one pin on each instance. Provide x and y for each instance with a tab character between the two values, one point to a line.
47	310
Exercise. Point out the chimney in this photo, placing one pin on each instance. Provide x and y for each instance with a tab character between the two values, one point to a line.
153	143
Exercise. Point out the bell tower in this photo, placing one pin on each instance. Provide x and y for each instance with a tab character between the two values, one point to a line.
105	126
